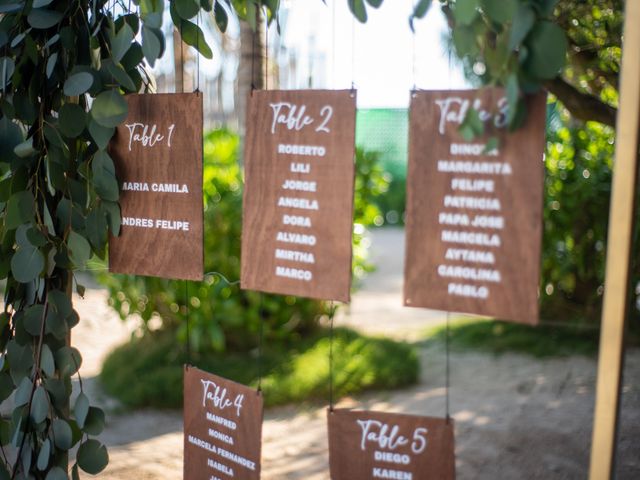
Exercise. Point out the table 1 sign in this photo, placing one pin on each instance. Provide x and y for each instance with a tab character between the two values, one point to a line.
222	428
370	445
474	217
157	153
298	197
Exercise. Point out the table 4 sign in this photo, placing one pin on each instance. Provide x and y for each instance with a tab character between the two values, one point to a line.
222	428
474	213
298	197
157	153
367	445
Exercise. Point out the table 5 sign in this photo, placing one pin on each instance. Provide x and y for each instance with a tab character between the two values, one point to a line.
367	445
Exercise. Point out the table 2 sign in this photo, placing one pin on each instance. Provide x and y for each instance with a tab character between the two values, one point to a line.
222	428
474	215
372	445
298	197
157	153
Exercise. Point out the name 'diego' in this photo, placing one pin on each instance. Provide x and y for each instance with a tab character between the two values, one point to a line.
148	136
454	110
389	437
217	397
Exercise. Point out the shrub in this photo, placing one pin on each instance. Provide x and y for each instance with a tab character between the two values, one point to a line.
145	371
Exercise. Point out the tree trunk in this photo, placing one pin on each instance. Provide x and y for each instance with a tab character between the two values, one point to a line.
250	69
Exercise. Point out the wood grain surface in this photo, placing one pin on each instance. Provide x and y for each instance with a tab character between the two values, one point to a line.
157	153
367	445
222	428
474	219
298	196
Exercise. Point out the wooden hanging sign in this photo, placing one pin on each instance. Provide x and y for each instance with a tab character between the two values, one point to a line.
222	428
474	217
367	445
157	152
298	197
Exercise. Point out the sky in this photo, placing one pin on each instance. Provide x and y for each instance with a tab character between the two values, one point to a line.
382	58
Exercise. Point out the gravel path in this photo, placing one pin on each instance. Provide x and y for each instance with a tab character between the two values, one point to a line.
516	417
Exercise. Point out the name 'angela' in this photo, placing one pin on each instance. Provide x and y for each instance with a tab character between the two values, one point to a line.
302	203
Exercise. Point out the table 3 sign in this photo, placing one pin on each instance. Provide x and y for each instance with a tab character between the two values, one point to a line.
367	445
222	428
298	196
157	153
474	214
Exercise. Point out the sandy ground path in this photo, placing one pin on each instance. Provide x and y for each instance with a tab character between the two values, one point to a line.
516	417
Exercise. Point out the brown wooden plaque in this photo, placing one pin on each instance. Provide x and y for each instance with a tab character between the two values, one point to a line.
474	218
370	445
157	153
222	428
298	197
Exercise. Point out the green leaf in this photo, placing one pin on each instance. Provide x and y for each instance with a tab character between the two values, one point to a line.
464	40
104	177
358	10
79	249
47	363
492	144
187	8
51	64
419	11
20	209
43	457
513	94
43	18
25	149
374	3
68	360
522	23
547	45
192	35
109	109
500	11
94	423
27	264
72	120
10	137
7	67
81	409
114	217
465	11
39	405
56	473
101	135
6	386
151	46
23	392
153	20
62	435
121	43
41	3
119	75
221	16
92	457
33	317
77	84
